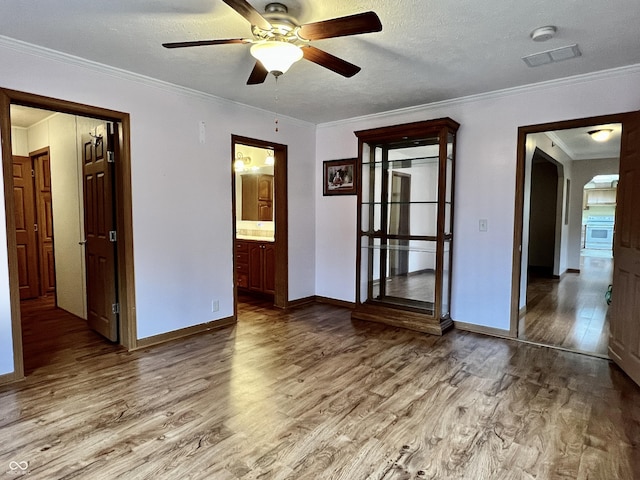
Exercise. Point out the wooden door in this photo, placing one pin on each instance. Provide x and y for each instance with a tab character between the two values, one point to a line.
624	337
25	228
99	221
44	212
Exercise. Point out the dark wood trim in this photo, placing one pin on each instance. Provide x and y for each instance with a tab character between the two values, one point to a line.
301	302
281	214
336	302
573	270
12	254
126	285
40	151
519	196
491	331
185	332
124	223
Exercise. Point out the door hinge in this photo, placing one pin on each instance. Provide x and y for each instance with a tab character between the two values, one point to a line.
112	235
111	158
115	308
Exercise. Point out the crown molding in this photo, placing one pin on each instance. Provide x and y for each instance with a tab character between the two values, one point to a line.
555	139
47	53
532	87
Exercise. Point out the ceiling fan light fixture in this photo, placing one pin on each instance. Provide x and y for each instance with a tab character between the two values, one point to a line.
276	56
601	135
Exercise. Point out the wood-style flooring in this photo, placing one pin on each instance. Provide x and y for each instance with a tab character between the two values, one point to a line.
572	312
310	394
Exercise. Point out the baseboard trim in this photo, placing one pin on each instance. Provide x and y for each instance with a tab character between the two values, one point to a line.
336	302
491	331
184	332
300	302
573	270
7	378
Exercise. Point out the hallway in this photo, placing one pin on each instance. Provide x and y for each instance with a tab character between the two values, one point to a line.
572	312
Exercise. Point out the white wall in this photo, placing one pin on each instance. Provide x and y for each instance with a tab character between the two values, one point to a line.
19	142
485	184
182	222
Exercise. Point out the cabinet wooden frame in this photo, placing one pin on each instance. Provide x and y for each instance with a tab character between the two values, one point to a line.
408	313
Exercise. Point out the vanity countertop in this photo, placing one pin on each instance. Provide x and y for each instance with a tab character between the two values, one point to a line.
255	238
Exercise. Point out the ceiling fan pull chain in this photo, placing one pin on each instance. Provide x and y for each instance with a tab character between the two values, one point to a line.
275	105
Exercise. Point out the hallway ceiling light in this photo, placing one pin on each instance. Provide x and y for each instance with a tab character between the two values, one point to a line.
601	135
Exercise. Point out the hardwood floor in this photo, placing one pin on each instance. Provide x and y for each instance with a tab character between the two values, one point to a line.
310	394
570	313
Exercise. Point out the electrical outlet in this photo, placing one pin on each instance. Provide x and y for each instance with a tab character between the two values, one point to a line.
215	305
483	225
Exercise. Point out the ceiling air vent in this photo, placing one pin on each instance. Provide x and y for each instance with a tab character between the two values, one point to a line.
550	56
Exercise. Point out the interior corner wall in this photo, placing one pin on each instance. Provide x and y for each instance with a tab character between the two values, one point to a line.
485	184
19	142
181	188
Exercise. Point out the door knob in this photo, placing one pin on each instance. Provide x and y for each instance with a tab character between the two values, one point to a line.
82	242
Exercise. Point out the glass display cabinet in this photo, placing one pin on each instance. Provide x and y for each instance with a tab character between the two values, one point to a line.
405	218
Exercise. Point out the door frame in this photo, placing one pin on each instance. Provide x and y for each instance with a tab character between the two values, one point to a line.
281	218
519	197
124	220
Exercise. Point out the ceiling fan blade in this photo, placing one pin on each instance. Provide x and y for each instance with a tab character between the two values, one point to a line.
200	43
329	61
366	22
250	13
258	75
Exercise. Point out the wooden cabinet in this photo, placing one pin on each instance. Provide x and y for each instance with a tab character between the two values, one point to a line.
242	264
255	266
257	197
405	217
599	197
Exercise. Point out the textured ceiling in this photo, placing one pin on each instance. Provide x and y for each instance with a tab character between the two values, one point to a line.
428	50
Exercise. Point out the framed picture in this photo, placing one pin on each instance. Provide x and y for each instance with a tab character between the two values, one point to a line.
339	177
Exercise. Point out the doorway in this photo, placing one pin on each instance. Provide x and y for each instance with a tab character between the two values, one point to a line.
124	311
558	296
260	220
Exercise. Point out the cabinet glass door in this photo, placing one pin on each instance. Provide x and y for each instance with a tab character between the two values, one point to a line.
399	223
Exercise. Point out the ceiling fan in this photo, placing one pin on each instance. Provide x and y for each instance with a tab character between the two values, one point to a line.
279	41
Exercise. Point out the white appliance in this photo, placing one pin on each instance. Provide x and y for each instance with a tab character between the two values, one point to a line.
599	232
